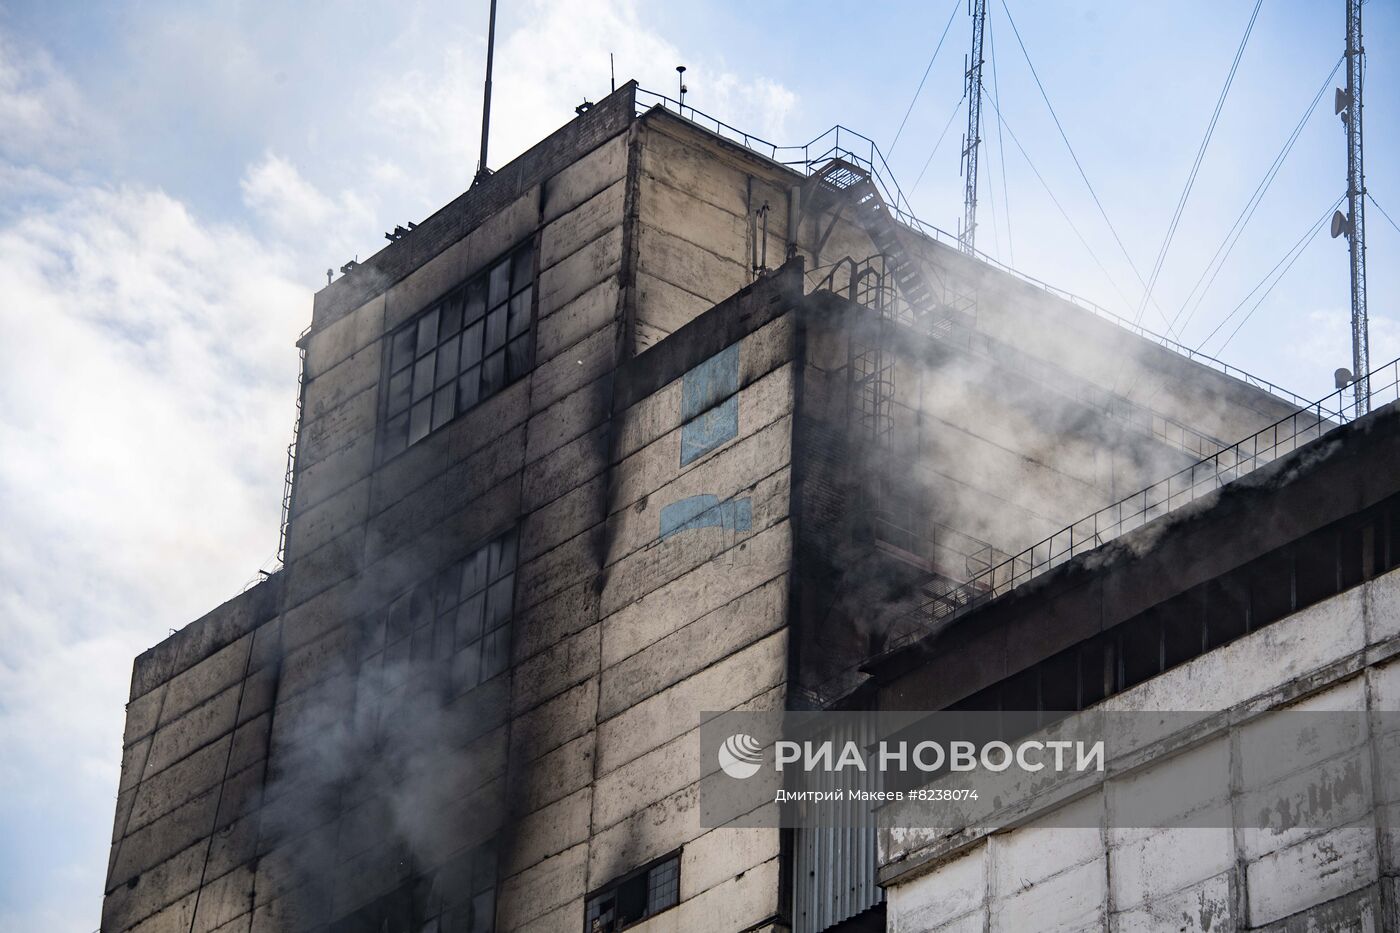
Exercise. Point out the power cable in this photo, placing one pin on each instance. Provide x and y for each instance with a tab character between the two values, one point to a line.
951	116
1058	205
1001	152
1232	236
1196	166
1065	137
919	89
1289	258
1383	213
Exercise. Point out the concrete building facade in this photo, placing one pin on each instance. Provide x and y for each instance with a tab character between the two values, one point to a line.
646	424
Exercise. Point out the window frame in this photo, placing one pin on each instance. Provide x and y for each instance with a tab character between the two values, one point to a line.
643	873
415	399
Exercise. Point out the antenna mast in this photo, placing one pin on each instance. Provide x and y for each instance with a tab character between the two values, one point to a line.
1350	108
973	139
481	170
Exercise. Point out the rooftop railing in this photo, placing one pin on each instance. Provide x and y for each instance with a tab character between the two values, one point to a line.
840	142
1133	512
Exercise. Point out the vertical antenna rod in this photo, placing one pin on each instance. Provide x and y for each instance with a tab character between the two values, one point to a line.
978	9
1356	210
481	170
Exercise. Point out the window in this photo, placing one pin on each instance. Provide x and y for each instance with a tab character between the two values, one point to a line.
458	897
462	615
463	349
635	897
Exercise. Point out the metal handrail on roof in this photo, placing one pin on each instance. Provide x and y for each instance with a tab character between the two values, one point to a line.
841	142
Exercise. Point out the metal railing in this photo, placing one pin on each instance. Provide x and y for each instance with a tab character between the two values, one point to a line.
1133	512
841	142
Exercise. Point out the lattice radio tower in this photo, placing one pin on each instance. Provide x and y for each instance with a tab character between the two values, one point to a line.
972	141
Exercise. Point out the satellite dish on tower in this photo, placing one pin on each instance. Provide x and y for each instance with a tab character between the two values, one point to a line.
1341	223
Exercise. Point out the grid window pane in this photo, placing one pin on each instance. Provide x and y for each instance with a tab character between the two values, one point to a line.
403	348
396	435
427	332
493	373
447	361
494	653
469	388
420	421
443	404
474	572
519	316
518	358
475	305
422	377
498	601
451	314
496	329
471	343
469	619
502	555
663	886
466	668
398	391
499	289
523	270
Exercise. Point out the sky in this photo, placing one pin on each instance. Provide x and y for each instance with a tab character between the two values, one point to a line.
176	177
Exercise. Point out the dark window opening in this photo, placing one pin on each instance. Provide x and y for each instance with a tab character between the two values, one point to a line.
1313	568
635	897
458	897
461	617
467	346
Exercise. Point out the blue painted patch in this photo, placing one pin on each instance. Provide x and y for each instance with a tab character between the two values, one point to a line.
707	384
706	511
708	431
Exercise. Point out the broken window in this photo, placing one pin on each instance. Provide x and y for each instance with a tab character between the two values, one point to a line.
460	617
463	349
634	897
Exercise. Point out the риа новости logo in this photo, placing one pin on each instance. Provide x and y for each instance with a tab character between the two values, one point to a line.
741	755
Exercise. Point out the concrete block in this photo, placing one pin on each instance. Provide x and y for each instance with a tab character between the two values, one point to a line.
721	854
206	679
541	888
338	559
1073	899
573	368
593	310
587	266
723	686
558	569
554	723
583	179
647	834
694	269
1148	864
555	669
688	597
687	167
568	466
128	903
569	232
955	889
697	221
554	775
742	464
338	427
201	725
563	518
548	831
342	381
571	417
1062	839
650	419
1317	870
337	470
344	337
1207	907
1381	602
665	307
660	562
693	647
320	523
145	847
738	904
553	619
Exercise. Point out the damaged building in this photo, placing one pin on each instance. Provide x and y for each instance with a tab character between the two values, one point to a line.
658	421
